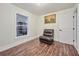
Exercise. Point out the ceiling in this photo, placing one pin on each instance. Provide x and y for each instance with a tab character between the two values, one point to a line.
43	8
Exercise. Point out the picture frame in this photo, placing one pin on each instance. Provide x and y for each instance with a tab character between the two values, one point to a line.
50	19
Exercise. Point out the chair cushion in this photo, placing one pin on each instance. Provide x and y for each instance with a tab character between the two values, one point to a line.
46	38
48	31
48	34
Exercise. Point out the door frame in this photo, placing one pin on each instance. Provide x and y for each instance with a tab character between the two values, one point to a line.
75	28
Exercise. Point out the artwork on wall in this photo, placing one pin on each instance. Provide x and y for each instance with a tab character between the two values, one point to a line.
50	19
21	24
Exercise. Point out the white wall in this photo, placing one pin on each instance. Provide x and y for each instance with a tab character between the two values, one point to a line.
8	25
55	26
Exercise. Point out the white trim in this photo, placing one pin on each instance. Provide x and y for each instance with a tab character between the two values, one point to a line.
3	48
77	50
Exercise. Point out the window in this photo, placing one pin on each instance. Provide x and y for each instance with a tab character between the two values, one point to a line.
21	25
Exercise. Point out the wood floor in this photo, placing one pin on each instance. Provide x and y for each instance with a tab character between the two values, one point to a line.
35	48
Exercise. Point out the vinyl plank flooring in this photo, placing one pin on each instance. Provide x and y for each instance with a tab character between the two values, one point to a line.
36	48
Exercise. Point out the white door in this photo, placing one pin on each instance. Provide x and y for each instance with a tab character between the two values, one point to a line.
75	28
66	26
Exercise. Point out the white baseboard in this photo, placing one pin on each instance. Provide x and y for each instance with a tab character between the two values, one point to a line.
3	48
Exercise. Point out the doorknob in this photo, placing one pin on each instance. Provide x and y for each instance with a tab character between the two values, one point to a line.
73	40
60	30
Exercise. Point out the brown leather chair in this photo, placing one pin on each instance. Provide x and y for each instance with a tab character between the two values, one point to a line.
48	36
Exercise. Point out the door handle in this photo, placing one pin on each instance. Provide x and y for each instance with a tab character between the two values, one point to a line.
60	30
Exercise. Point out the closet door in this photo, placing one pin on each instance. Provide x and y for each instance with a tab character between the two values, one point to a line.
66	26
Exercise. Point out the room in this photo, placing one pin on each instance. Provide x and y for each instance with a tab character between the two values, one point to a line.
24	29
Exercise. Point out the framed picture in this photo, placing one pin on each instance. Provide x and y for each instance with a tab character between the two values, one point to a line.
21	24
50	19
